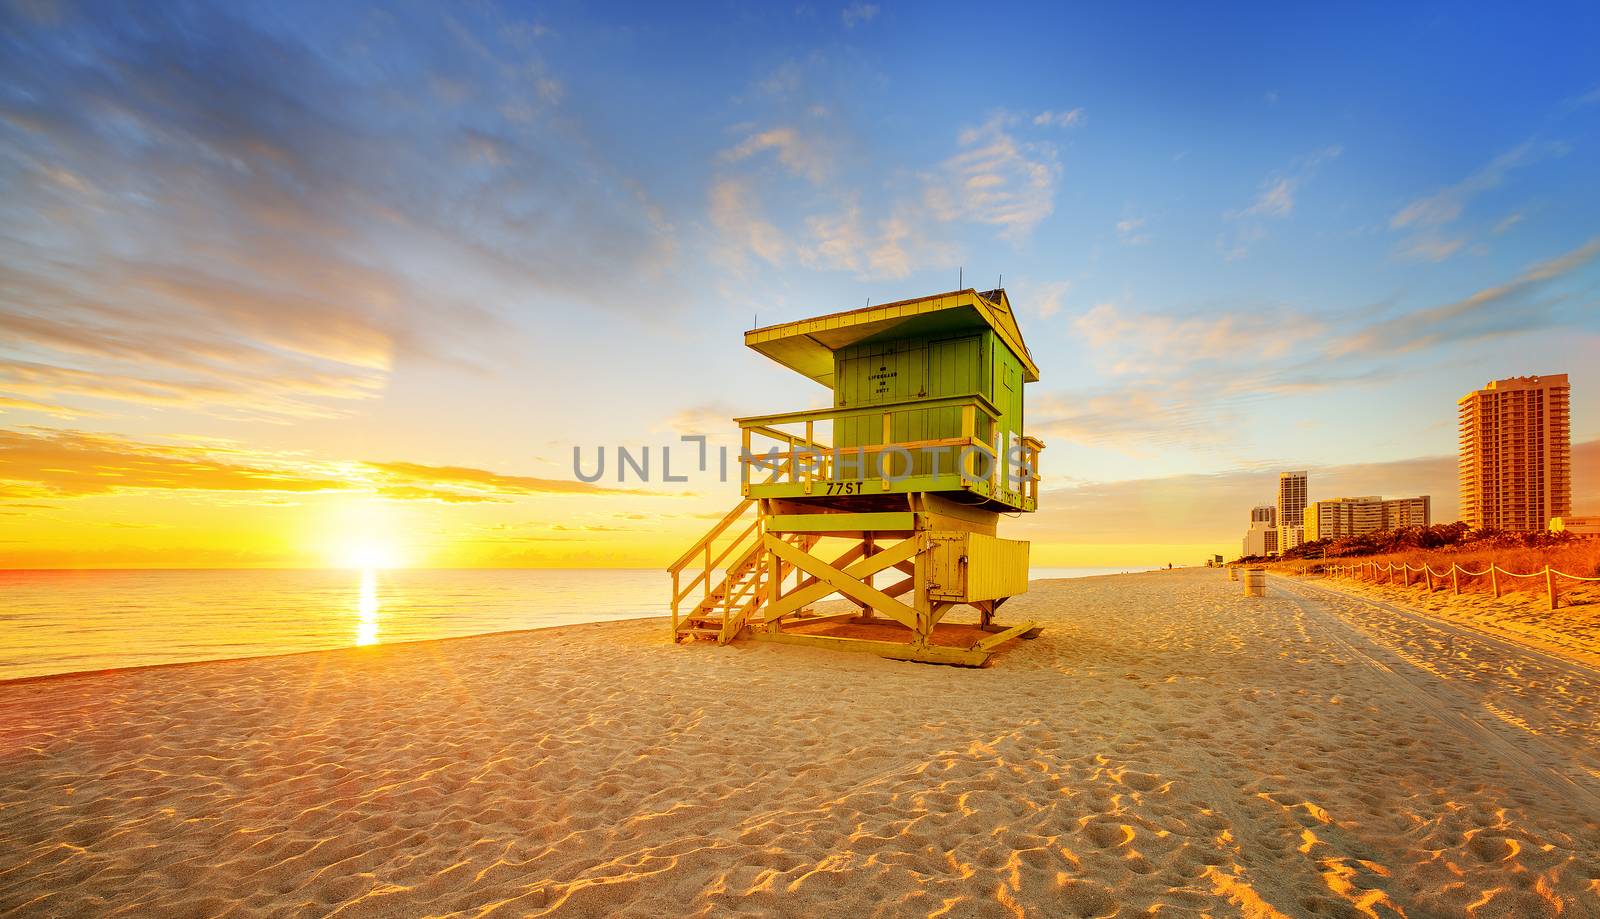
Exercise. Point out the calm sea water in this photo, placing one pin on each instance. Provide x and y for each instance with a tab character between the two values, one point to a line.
67	621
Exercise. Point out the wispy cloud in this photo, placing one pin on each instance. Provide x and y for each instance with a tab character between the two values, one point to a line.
208	212
1138	420
1063	119
60	463
1507	222
858	14
1520	305
481	483
737	215
1048	299
996	179
1446	204
1131	231
1185	379
1274	201
47	463
1425	219
1431	248
1152	345
801	154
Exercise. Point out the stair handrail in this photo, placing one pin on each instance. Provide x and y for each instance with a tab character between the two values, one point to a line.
712	563
713	533
702	550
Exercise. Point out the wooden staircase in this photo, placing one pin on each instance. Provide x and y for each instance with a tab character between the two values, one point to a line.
732	583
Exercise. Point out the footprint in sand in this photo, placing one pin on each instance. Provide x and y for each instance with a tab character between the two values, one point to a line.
1109	835
1493	848
1140	781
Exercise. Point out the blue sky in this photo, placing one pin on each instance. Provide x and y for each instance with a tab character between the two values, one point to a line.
473	236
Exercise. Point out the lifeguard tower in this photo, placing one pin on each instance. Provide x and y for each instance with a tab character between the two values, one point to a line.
907	474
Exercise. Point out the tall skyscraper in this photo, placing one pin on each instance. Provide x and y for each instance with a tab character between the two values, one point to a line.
1516	453
1291	509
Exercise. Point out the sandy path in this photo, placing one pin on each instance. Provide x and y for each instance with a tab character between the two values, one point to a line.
1571	631
1166	747
1544	705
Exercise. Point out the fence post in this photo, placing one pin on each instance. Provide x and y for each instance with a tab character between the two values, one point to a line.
1408	574
1428	573
1494	579
1550	585
1455	583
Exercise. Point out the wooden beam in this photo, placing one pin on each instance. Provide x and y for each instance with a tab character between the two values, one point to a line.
831	578
825	617
841	523
869	546
850	555
928	654
990	642
900	587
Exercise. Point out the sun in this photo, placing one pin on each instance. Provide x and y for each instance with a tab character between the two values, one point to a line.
369	555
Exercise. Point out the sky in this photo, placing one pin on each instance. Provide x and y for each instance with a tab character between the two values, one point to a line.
302	284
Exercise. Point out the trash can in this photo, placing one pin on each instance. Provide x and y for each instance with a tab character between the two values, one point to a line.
1255	582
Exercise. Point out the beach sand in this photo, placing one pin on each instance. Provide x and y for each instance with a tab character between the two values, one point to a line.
1166	747
1572	628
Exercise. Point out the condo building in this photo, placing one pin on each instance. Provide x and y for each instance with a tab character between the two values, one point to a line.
1261	539
1291	509
1516	453
1336	517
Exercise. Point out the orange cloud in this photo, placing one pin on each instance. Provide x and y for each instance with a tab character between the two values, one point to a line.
64	463
494	482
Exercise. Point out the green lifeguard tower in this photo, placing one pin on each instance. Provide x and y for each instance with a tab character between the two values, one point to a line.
908	472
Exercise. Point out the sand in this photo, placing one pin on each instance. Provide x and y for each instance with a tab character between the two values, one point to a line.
1167	747
1524	615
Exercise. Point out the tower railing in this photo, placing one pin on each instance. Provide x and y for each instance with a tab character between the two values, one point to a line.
788	447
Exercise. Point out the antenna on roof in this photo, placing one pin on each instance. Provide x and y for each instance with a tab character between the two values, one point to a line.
755	320
1000	283
869	302
961	278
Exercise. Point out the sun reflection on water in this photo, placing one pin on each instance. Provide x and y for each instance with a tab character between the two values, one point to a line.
367	608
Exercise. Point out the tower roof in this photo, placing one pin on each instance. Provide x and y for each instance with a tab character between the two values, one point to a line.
806	346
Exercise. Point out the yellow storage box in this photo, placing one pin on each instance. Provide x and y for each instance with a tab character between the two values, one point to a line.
963	567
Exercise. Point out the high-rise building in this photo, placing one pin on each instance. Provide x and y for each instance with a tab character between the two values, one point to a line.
1516	453
1336	517
1291	509
1262	537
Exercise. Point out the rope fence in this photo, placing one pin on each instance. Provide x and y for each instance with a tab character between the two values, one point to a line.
1370	571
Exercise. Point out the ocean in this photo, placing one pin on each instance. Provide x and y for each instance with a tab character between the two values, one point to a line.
70	621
